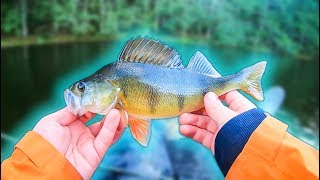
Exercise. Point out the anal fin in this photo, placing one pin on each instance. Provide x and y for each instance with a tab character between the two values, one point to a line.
140	130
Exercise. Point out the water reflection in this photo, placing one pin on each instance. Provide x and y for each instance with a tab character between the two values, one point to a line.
29	74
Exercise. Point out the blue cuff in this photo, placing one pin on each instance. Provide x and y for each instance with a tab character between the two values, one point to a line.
234	135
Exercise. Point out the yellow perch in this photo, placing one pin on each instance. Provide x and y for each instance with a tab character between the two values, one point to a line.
148	81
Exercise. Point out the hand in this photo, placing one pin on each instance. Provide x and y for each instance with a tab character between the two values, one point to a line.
84	147
203	126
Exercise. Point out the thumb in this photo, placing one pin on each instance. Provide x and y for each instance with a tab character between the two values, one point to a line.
216	110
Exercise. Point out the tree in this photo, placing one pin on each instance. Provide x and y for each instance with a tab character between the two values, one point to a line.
24	16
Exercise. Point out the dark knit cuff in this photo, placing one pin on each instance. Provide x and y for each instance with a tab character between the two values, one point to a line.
234	135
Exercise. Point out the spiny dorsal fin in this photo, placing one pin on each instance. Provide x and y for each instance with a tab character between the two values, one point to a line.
144	50
200	64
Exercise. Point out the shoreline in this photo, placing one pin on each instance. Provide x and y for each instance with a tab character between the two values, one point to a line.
34	40
11	42
8	42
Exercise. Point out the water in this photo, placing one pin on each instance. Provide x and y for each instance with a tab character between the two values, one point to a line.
33	80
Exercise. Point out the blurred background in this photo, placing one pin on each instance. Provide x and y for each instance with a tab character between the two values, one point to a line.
48	45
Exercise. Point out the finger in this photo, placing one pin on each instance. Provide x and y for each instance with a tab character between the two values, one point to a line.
200	135
119	132
204	122
216	110
107	132
238	102
64	117
96	127
86	117
201	112
222	97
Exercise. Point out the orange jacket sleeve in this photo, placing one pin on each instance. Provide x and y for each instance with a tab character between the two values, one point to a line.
35	158
272	153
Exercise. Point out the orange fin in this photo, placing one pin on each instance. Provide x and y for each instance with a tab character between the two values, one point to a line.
140	130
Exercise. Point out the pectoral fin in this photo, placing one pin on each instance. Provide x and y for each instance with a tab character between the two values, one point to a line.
123	114
140	130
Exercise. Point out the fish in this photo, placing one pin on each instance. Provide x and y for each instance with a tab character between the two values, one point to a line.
148	81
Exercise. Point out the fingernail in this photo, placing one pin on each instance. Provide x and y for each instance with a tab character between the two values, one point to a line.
211	97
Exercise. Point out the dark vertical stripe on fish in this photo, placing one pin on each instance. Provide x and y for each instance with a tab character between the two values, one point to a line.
124	88
220	83
153	99
181	100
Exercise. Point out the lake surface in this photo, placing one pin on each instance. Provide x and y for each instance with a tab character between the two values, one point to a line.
33	80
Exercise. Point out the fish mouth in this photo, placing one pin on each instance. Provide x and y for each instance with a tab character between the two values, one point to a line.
73	103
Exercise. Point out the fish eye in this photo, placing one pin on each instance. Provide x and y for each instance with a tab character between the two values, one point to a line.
81	86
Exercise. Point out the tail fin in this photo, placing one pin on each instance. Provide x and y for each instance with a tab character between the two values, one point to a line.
252	80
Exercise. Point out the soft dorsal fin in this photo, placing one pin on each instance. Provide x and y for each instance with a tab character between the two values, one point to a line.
144	50
200	64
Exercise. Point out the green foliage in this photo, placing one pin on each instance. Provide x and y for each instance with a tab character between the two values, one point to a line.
10	20
289	26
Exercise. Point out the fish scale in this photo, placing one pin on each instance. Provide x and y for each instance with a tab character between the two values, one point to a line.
149	82
161	94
